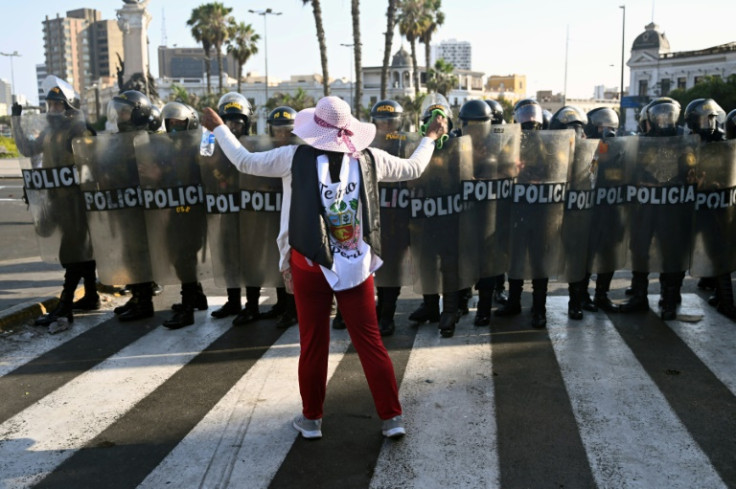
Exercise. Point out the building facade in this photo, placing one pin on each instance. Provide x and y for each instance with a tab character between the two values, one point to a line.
190	63
510	87
458	53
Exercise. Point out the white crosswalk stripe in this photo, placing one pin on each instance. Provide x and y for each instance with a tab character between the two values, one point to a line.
631	434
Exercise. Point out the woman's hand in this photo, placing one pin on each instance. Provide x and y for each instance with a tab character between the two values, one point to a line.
437	127
210	119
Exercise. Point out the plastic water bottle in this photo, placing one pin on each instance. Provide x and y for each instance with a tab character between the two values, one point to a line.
207	146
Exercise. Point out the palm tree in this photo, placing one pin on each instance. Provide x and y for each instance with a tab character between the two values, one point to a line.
432	20
390	24
322	43
198	22
243	44
219	25
412	108
357	51
300	100
443	78
411	26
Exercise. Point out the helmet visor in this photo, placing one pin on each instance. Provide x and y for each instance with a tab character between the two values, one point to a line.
123	110
528	113
663	116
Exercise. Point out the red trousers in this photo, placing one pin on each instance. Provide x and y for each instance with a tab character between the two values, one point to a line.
313	297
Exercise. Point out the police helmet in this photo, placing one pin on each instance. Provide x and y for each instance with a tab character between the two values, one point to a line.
546	118
71	101
155	123
602	123
179	117
436	101
496	111
474	110
643	123
662	114
281	116
133	110
702	116
568	116
387	109
234	105
528	113
731	125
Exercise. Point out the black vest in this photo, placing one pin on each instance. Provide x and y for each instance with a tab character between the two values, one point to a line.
307	226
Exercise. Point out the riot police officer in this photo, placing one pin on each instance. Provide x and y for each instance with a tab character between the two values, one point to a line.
280	123
702	117
66	205
484	112
660	120
731	125
602	124
179	117
387	115
133	112
529	114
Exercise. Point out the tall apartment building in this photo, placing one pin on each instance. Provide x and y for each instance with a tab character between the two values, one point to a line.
190	63
458	53
41	74
81	47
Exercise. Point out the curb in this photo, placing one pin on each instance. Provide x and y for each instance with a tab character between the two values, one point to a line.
12	317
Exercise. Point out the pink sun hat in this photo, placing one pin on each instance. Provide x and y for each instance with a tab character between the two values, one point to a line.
330	126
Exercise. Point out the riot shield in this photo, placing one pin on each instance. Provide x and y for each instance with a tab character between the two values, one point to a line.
538	204
609	231
578	211
113	200
173	199
662	192
395	198
714	237
221	182
260	220
495	165
444	253
51	184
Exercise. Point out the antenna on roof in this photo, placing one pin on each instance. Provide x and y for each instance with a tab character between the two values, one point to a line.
163	28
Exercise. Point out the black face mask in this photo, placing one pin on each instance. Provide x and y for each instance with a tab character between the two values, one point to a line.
531	126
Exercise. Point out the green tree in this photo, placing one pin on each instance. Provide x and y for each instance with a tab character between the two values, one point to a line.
433	18
412	108
411	25
299	101
211	25
508	109
317	10
390	24
242	44
198	21
722	91
442	78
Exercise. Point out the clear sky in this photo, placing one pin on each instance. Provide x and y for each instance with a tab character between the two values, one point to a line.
525	36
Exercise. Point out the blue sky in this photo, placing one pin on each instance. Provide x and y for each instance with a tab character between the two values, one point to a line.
525	36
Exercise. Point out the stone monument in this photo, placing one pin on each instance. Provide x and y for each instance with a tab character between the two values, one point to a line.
133	20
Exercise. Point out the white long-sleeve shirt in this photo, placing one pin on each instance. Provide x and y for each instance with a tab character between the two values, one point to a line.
277	163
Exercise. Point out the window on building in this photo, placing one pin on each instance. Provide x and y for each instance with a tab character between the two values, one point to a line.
643	87
697	79
682	83
665	86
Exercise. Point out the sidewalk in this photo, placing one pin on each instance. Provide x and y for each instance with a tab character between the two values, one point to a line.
10	168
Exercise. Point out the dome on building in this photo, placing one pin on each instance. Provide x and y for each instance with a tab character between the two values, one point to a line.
652	38
401	59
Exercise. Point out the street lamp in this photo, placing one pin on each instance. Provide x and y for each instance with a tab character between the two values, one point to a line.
12	55
351	73
265	13
623	36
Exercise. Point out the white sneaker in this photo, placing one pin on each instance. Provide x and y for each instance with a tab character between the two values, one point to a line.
393	428
310	429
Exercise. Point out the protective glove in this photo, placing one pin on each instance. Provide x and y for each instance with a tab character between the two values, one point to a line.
16	109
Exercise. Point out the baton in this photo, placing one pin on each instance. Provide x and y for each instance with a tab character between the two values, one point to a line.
423	128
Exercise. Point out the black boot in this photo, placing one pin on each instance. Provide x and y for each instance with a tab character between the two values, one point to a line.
386	309
200	300
450	313
638	301
184	315
499	291
141	305
708	283
338	322
513	305
289	317
669	291
483	311
464	297
91	299
586	303
279	308
574	309
724	291
602	286
539	303
231	307
62	310
250	312
428	311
